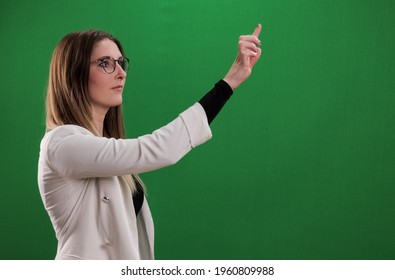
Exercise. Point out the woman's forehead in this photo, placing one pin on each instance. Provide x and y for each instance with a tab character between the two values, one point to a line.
106	47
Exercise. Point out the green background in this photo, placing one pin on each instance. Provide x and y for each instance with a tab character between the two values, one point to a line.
301	164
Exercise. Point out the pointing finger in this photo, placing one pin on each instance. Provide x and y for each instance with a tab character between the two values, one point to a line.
257	30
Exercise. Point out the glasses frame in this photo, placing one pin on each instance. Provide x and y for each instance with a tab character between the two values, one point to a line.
118	61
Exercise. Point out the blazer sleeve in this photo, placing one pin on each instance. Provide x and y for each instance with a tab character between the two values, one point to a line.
73	152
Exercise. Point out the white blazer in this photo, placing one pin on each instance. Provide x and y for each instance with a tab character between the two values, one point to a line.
90	207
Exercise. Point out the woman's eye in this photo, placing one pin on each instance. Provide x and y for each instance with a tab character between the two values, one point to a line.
104	63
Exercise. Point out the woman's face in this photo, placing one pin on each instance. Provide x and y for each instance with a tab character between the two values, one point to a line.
105	90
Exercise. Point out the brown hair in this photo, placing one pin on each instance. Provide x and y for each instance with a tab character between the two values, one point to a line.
67	93
67	99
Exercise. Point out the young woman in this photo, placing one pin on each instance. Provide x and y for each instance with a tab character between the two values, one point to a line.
87	171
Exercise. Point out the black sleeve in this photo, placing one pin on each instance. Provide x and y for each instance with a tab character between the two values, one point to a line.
215	99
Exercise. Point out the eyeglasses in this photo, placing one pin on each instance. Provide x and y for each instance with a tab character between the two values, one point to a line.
109	64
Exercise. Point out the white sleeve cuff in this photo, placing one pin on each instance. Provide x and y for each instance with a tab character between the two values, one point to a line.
195	120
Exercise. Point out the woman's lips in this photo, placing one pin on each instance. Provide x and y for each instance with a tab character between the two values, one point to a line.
120	87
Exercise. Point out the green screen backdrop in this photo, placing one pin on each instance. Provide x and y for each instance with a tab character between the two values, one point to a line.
302	160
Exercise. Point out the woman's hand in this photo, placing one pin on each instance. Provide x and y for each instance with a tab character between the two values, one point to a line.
247	56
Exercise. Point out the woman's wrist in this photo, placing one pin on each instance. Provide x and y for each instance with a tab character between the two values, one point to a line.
231	83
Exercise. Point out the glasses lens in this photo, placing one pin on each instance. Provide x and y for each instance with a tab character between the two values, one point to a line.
124	63
108	65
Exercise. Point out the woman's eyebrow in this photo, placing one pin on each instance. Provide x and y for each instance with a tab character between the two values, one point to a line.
108	57
103	57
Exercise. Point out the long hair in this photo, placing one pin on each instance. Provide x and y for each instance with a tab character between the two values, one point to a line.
67	100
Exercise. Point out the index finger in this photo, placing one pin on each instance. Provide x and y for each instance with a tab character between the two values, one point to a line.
257	30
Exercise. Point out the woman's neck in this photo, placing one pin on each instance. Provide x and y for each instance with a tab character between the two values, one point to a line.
98	119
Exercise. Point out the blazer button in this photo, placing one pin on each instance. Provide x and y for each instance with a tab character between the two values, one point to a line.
106	199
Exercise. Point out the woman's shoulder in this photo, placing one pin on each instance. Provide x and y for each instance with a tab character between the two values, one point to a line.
62	131
68	129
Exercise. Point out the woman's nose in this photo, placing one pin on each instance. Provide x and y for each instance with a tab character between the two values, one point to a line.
120	72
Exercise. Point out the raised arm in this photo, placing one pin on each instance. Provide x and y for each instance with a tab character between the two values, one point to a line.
248	55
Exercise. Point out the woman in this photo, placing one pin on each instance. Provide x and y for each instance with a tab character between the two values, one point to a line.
87	170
